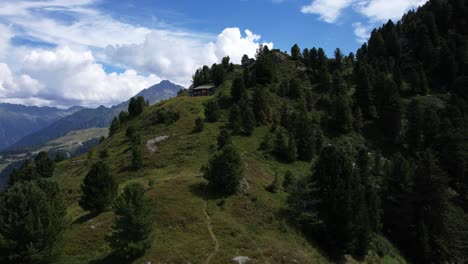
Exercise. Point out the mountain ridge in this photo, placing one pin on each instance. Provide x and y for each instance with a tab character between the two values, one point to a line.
87	118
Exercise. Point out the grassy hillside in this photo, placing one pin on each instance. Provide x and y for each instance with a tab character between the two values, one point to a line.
190	226
73	140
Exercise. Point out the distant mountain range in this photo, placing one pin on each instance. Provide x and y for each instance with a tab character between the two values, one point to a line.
17	121
78	119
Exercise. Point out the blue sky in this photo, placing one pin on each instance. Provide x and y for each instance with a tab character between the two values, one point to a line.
92	52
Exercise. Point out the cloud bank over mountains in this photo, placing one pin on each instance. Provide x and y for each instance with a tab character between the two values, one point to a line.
89	58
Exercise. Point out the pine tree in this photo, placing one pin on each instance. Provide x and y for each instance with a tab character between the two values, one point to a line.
137	157
296	52
32	221
44	165
114	126
338	60
364	93
133	223
291	151
248	122
261	105
305	137
342	114
224	171
357	119
414	116
99	189
265	70
223	139
238	90
199	124
27	172
217	74
212	111
235	120
295	89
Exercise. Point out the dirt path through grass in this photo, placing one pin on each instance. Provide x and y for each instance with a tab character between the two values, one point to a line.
213	236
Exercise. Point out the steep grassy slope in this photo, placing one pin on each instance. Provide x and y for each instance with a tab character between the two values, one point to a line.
190	226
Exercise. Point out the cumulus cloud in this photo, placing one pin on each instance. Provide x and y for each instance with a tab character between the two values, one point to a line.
5	36
71	74
382	10
67	77
176	58
328	10
361	31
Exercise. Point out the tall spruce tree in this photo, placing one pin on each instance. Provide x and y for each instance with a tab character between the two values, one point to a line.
99	189
133	223
224	171
32	221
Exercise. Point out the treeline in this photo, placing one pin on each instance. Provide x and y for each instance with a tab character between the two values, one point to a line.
385	127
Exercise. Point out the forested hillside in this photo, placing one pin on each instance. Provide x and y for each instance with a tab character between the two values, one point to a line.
296	158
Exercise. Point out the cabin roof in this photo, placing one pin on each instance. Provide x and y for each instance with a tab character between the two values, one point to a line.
204	87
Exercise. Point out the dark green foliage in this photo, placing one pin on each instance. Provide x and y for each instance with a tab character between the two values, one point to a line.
235	119
130	132
342	116
248	122
223	139
27	172
123	117
338	60
133	223
364	92
305	137
291	151
32	220
335	203
225	62
217	74
357	119
136	106
238	90
199	124
104	154
267	143
45	166
295	89
283	90
390	110
59	157
224	171
165	116
296	52
201	76
261	105
289	180
99	189
265	70
277	185
212	111
115	124
414	116
137	157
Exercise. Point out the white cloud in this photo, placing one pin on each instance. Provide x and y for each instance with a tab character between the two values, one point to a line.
5	36
176	58
70	73
361	31
383	10
67	77
328	10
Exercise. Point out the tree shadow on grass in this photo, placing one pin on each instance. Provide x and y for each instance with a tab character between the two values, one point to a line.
109	259
85	218
201	190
